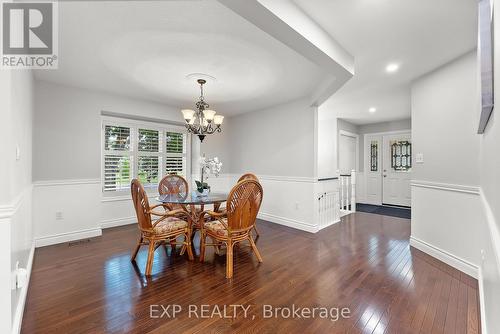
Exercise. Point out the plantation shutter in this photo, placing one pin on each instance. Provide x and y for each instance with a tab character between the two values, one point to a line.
117	172
117	158
145	152
176	153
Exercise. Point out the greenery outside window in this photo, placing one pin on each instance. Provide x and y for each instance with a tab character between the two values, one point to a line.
144	151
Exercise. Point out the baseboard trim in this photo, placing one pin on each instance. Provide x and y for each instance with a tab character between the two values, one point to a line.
446	186
66	237
328	225
18	316
446	257
288	222
118	222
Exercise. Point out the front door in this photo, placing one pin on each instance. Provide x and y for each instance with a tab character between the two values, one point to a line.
396	169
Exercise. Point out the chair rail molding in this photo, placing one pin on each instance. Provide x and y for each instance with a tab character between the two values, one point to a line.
63	182
446	186
9	210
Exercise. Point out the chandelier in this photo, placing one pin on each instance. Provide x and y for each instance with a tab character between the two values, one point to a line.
203	121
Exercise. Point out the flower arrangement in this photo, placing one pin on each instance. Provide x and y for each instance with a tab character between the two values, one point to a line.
208	166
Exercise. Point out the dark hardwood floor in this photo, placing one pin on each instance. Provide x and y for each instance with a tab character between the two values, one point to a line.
364	263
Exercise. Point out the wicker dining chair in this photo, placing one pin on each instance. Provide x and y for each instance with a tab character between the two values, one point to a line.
235	224
173	184
250	176
167	227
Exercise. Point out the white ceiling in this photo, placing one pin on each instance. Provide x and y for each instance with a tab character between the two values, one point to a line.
420	35
145	49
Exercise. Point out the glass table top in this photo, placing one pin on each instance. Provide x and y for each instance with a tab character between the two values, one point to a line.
192	198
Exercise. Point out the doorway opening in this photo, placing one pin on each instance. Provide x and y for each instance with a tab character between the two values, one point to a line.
388	165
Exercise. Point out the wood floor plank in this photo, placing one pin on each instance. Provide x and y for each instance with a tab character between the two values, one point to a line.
363	263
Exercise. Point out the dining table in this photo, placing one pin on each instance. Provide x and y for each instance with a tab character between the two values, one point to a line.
193	205
189	201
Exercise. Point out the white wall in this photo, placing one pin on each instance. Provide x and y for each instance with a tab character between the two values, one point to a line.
275	141
445	200
277	145
16	118
444	117
327	148
455	192
65	112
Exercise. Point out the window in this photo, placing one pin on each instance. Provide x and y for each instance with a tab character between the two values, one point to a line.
401	155
143	151
374	156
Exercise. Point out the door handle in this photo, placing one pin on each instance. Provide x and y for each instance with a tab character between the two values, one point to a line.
385	175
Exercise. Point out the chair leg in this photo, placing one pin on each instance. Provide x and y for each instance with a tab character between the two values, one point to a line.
229	259
151	254
256	231
172	244
217	246
203	242
184	243
254	248
136	250
189	247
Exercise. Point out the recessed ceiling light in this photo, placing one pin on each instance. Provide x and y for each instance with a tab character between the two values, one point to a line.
372	109
391	68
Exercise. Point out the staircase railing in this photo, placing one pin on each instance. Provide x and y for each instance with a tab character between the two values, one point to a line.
347	192
328	209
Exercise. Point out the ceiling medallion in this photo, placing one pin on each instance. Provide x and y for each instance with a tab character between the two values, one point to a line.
203	121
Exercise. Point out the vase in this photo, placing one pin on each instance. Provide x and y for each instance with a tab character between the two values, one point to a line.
204	193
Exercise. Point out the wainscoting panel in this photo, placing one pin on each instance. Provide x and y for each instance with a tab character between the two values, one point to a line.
448	223
118	211
288	200
17	245
66	210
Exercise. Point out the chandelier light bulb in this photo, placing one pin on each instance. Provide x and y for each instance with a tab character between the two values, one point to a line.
188	114
218	119
209	114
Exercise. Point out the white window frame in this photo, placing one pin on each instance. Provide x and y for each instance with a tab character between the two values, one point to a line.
134	126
